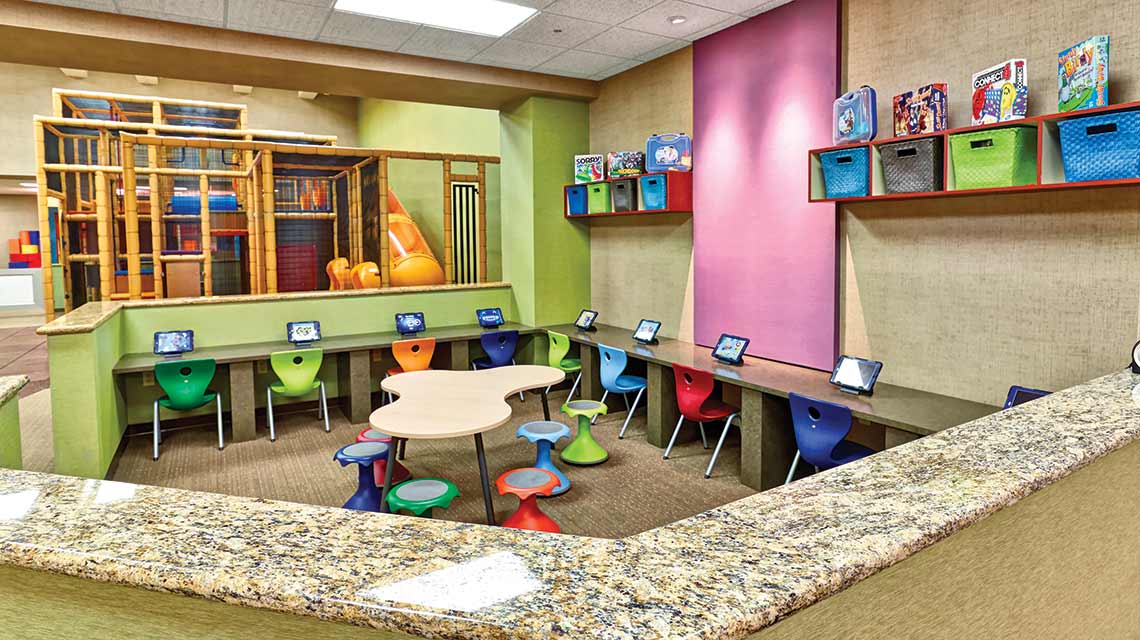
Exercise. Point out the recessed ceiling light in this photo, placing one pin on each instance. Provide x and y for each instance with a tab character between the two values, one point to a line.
29	185
676	19
484	17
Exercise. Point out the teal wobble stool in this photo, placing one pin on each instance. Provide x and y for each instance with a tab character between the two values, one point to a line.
584	450
422	495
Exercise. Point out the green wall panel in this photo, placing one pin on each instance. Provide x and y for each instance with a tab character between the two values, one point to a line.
11	454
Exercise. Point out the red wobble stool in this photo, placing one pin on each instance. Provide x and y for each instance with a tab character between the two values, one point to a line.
400	473
528	484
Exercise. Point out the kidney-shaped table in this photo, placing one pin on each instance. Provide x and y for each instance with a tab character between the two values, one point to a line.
438	404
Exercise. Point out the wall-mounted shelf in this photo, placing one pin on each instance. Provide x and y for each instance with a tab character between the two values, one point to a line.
678	196
1050	168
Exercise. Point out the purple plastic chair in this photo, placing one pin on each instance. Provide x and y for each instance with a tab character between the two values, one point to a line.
820	428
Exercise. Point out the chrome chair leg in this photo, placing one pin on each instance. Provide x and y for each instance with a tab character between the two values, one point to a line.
704	438
673	439
629	412
719	444
574	387
325	407
594	420
269	414
157	437
221	438
792	471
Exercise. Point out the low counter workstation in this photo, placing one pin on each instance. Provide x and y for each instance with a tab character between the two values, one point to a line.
767	438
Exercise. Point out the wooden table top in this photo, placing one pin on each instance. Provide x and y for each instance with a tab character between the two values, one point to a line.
140	362
447	404
912	410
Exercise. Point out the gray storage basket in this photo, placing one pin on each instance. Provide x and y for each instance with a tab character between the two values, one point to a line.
912	166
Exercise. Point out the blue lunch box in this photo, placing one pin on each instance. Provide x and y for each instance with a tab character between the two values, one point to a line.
668	152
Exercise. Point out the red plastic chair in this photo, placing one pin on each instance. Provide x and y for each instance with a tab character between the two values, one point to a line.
695	401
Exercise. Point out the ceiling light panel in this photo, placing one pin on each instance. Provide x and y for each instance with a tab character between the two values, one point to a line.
483	17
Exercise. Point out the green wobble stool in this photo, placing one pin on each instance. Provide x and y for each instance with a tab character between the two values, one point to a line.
584	450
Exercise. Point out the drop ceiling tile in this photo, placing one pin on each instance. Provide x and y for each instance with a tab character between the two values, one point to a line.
94	5
766	6
207	12
534	4
557	31
734	20
580	64
609	12
613	71
276	17
364	31
732	6
656	19
516	54
443	43
624	43
674	45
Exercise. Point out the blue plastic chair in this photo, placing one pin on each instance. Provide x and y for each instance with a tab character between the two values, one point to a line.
1020	395
500	349
820	428
545	433
613	363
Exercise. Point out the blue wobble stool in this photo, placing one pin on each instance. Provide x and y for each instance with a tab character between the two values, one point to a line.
820	428
545	433
364	455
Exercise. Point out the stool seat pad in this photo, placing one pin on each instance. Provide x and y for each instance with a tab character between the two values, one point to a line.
588	408
206	398
624	384
543	430
361	453
422	494
279	388
527	482
372	435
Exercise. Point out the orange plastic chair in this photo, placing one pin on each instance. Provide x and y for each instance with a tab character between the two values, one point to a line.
366	275
340	277
412	355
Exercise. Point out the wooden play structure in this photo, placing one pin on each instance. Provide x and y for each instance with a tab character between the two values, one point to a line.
151	197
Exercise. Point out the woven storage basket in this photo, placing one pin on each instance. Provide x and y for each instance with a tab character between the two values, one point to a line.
845	173
1104	147
994	158
912	166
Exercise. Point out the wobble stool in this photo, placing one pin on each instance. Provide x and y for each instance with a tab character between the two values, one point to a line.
527	484
584	450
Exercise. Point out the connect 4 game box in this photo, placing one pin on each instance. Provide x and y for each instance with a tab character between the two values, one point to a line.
1000	93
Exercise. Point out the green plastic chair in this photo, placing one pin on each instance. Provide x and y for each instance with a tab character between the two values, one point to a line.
421	495
185	384
297	376
559	347
584	450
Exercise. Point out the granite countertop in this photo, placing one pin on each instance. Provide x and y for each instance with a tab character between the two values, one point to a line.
10	386
724	573
88	317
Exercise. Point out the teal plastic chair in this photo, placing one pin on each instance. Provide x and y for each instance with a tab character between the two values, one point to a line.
559	347
185	384
297	376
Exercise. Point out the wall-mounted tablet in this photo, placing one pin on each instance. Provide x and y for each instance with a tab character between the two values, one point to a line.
730	349
303	333
585	321
171	344
409	323
856	375
490	318
646	332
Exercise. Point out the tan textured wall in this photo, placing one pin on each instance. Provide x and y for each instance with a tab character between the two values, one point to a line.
16	214
27	91
642	267
970	295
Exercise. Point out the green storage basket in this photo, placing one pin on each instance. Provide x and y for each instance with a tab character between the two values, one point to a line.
994	158
599	197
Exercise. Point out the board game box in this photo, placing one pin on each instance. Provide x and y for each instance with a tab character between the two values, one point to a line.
1000	93
626	163
1082	75
920	111
589	168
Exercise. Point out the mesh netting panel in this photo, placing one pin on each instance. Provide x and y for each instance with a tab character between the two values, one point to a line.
303	248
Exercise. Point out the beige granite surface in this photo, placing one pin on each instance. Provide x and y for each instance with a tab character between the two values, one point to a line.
10	386
724	573
89	316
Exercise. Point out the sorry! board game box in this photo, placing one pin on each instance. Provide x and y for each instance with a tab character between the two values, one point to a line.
589	168
1000	93
920	111
1082	75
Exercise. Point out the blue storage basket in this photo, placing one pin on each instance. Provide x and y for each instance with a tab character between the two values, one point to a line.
576	200
845	173
653	193
1103	147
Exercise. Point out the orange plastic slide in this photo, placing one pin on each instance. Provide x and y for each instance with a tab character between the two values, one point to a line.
412	262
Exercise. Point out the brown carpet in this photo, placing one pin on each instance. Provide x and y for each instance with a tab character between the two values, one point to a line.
633	491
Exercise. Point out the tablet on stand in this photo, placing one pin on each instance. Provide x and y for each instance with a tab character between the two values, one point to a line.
303	334
856	375
172	344
585	321
409	324
730	349
646	332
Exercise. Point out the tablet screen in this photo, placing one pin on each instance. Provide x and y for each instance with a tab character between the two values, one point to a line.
171	343
303	332
586	319
730	348
490	317
646	330
410	322
856	373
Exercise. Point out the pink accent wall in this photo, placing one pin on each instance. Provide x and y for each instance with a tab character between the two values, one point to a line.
764	259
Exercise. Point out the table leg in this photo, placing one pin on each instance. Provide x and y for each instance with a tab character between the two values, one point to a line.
591	387
479	453
242	407
767	439
894	437
388	466
354	381
662	414
545	406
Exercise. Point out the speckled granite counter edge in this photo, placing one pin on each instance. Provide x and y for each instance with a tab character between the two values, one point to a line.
10	386
93	314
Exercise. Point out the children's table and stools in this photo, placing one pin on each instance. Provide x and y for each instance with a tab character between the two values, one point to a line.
545	433
436	404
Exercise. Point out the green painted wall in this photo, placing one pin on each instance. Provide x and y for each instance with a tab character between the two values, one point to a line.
11	454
